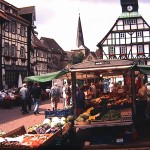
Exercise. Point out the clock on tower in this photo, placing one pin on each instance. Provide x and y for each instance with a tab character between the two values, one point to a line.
129	5
129	8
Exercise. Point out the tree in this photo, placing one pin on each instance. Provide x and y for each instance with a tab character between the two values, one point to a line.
77	59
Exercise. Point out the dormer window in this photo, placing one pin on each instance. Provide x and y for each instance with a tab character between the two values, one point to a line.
89	58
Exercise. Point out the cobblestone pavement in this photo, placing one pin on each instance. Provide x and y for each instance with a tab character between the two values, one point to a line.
13	118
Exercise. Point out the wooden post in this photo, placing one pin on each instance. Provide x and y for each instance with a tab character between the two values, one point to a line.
133	92
73	78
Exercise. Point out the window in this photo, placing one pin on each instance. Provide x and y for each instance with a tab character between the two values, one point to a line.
133	21
126	21
89	58
22	32
13	51
14	27
129	21
6	49
140	49
6	26
22	52
111	50
122	35
123	50
139	34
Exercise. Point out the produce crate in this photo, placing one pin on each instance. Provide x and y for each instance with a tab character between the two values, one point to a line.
19	131
58	113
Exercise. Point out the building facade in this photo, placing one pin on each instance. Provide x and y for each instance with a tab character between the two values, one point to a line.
13	45
129	37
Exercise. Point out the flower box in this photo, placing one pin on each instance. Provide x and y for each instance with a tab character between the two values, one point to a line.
23	59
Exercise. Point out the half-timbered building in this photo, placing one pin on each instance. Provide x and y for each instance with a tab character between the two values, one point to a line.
13	45
129	37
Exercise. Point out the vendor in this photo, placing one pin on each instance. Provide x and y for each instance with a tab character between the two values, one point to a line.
80	97
141	103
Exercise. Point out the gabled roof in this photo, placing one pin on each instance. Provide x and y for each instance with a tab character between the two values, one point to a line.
51	44
28	10
91	53
39	44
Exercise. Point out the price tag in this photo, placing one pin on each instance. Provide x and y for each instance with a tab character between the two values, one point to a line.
119	140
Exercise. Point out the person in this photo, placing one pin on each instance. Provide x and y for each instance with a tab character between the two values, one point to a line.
93	90
55	94
22	94
80	97
111	87
68	93
141	103
64	95
48	90
36	95
28	96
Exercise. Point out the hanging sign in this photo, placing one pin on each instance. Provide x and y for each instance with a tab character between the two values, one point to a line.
102	62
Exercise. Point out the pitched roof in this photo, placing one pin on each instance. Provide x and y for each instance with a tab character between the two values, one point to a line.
38	43
51	44
27	10
101	64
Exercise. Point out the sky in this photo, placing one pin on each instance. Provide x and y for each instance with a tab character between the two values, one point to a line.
58	19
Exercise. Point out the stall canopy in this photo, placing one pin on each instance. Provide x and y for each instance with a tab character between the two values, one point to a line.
144	69
46	77
109	64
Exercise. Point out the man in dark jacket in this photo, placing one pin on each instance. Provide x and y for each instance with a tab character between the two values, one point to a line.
80	101
36	95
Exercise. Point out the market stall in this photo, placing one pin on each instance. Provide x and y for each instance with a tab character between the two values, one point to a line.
107	109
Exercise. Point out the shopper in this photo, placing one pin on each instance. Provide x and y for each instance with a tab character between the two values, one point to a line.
55	94
68	94
64	95
23	91
80	101
28	96
111	87
141	103
36	95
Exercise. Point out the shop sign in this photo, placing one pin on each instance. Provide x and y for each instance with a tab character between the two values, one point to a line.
102	62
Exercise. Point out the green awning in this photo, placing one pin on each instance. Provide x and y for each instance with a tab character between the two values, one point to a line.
46	77
144	69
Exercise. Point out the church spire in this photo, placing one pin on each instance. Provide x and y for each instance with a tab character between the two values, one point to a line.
79	40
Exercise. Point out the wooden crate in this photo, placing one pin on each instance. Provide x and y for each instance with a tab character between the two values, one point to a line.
18	131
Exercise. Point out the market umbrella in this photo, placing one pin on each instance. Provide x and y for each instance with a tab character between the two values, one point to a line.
46	77
19	81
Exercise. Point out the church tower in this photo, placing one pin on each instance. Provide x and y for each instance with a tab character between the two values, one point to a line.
80	40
